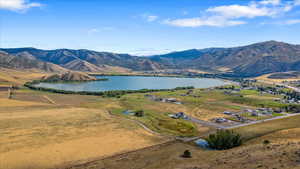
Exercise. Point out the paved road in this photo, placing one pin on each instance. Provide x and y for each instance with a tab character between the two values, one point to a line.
262	121
218	126
210	124
206	123
285	85
291	87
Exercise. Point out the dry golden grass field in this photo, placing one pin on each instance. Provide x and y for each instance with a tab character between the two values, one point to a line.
266	79
42	130
282	153
18	77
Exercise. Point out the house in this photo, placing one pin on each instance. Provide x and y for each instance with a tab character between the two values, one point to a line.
262	109
227	113
171	100
277	100
178	115
249	111
240	118
151	97
267	113
221	120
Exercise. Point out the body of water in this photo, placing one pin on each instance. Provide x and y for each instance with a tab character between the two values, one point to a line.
134	83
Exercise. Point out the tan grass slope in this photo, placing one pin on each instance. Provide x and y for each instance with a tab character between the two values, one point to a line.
70	76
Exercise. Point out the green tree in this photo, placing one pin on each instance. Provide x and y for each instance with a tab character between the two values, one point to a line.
224	139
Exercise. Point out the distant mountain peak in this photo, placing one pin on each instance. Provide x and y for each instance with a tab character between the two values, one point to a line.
251	60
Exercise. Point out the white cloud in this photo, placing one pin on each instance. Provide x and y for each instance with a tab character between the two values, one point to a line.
18	5
296	2
149	52
238	11
270	2
150	18
101	29
231	15
185	12
292	21
216	21
93	30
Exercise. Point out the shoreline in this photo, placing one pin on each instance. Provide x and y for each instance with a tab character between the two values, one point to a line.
114	93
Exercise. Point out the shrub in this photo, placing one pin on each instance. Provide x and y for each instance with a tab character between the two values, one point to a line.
224	139
186	154
265	142
139	113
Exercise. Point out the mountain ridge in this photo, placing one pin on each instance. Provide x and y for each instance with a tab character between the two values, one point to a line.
245	61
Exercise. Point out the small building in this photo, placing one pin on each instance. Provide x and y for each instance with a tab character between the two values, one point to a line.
228	113
221	120
171	100
255	114
179	115
277	100
249	110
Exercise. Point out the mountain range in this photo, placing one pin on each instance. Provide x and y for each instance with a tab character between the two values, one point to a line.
245	61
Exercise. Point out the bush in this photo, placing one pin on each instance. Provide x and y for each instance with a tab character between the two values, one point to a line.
139	113
186	154
265	142
224	139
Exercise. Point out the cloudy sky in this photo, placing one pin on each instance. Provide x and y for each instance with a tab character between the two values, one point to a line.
146	27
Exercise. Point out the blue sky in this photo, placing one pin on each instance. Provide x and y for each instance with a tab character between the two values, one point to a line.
146	27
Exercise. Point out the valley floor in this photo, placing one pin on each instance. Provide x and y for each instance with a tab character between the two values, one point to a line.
41	130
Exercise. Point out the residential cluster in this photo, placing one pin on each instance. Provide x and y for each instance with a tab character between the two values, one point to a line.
242	116
295	83
163	100
287	96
